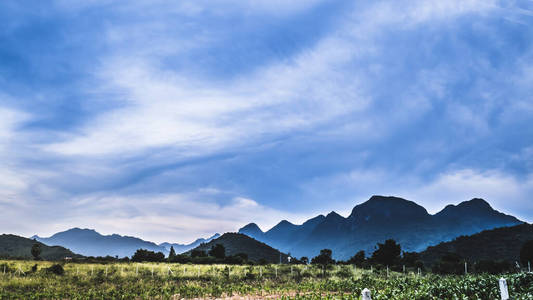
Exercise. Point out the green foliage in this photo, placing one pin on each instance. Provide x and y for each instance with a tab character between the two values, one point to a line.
358	259
172	254
387	253
324	258
136	281
36	251
147	255
56	269
218	251
198	253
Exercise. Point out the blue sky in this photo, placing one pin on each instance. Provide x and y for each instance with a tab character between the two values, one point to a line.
171	120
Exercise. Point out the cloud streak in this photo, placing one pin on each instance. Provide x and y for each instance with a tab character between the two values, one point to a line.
134	113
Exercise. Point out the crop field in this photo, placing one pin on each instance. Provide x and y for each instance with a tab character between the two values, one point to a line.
41	280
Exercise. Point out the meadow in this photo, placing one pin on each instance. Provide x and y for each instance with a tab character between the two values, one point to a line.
41	280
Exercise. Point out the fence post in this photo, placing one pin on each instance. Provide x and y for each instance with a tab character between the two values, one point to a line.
504	292
387	271
276	268
466	269
529	267
365	294
152	271
137	270
92	270
106	271
404	269
418	271
260	271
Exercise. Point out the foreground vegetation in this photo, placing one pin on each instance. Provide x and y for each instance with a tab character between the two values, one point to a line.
48	280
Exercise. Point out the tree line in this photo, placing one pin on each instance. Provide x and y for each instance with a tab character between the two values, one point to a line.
388	254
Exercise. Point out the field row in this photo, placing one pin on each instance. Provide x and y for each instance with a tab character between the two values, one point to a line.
135	281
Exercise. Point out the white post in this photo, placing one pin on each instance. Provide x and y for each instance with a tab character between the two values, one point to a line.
291	271
404	269
355	268
276	271
260	271
466	269
92	270
137	270
371	270
106	271
77	270
365	294
387	271
198	272
152	271
504	292
418	271
4	269
529	267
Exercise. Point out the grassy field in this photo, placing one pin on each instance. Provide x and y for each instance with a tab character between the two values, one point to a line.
33	280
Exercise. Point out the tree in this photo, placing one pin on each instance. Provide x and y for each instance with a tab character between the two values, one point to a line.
218	251
198	253
449	263
526	253
387	253
172	254
324	258
358	259
36	251
147	255
411	259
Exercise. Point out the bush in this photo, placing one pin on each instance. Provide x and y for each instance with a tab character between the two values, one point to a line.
56	269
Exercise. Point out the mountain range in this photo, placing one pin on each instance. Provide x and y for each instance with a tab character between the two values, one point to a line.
378	219
181	248
88	242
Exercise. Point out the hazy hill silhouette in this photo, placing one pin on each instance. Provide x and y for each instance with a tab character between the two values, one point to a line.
378	219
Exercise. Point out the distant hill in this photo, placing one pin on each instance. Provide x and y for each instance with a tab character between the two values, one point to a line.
91	243
236	243
495	244
20	247
181	248
378	219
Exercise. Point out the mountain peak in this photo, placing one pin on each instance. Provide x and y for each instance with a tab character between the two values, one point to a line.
284	223
387	208
251	230
250	227
333	215
476	203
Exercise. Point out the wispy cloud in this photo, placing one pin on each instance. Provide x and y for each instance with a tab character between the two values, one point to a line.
152	112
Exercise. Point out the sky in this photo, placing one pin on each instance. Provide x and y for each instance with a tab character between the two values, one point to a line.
173	120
